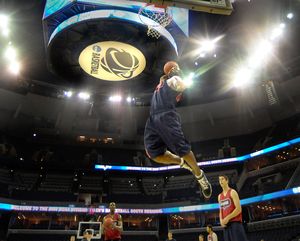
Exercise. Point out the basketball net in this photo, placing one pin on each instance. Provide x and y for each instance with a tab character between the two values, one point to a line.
161	15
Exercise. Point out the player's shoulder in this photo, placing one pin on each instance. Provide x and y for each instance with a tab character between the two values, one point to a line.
175	78
233	191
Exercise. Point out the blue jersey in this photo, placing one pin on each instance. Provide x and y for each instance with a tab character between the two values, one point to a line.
163	128
164	98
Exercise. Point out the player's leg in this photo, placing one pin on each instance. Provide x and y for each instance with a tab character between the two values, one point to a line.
156	149
238	232
171	133
154	145
199	174
168	158
226	233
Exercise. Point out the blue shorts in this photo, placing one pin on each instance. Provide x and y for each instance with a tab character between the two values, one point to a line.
235	232
163	131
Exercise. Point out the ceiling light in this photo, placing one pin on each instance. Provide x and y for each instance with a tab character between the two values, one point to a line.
282	25
265	47
261	53
208	46
189	80
5	32
202	55
3	21
290	15
14	68
242	78
128	99
277	32
84	95
68	93
10	53
115	98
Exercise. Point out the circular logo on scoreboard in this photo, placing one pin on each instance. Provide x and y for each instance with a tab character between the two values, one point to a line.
112	61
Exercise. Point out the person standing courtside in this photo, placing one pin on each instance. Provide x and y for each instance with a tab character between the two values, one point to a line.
230	212
112	224
201	237
87	235
170	237
212	236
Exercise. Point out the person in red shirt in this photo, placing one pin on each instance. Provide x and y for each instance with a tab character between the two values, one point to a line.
112	224
230	212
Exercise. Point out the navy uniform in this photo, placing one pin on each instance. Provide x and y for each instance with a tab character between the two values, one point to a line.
163	128
163	138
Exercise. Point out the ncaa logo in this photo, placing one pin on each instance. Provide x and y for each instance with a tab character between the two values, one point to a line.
112	61
97	48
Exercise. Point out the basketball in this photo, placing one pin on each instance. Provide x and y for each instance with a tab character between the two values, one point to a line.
108	222
169	65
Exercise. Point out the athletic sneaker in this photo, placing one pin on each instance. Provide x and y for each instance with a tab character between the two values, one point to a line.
184	165
205	185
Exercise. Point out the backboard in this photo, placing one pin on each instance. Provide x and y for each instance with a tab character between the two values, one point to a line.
53	8
210	6
95	227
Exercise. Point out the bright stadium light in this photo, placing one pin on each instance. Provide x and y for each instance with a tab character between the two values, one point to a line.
68	94
14	68
3	21
290	15
189	80
10	53
277	32
5	32
84	95
115	98
282	25
265	47
261	53
208	46
242	78
128	99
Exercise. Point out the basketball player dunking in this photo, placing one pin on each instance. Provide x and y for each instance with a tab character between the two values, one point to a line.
163	128
112	224
230	212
